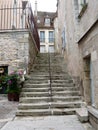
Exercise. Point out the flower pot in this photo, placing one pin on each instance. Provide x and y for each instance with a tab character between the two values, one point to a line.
13	97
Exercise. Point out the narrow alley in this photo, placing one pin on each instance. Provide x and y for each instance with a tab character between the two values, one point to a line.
48	65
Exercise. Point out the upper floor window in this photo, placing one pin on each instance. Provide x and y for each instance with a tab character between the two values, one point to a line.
42	36
51	36
47	21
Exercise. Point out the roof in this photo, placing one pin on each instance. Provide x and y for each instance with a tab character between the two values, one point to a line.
41	19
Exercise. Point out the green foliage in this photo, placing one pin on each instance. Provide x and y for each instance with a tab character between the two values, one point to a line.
3	81
11	82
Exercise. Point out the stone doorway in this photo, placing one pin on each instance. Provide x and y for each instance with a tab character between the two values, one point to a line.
87	80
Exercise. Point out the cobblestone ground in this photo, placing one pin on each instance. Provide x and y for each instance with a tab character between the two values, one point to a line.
7	110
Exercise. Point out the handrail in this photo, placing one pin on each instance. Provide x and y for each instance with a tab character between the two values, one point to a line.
50	77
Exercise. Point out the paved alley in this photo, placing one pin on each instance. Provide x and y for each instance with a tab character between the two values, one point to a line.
7	110
8	121
48	107
46	123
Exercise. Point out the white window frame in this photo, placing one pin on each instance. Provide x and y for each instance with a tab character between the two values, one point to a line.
47	21
51	37
42	37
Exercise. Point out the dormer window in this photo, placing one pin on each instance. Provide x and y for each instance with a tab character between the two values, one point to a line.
47	21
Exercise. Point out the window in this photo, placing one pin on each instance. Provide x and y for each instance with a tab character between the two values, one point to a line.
51	36
51	48
47	21
42	36
42	49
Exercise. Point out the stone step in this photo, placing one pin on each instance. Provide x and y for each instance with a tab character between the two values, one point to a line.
35	89
45	112
30	80
37	81
62	85
31	98
65	88
34	94
74	104
67	98
39	73
39	78
46	89
66	93
57	93
34	99
25	106
51	105
36	112
27	84
62	81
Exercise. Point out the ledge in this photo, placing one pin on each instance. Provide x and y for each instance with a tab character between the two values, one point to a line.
87	31
4	65
93	111
11	31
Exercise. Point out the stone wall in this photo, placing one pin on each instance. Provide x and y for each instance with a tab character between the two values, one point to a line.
72	50
16	50
61	23
89	49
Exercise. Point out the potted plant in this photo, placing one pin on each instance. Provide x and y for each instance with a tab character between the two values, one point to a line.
3	84
13	89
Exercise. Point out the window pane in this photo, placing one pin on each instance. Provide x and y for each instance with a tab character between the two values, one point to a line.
47	21
51	36
42	36
51	49
42	49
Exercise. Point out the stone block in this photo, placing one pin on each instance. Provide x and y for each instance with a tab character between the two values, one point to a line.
82	114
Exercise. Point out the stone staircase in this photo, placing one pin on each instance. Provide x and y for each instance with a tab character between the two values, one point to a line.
49	89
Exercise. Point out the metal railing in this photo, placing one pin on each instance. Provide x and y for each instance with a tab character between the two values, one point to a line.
18	18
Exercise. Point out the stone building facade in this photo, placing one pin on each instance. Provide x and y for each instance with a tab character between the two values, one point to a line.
81	22
45	25
18	46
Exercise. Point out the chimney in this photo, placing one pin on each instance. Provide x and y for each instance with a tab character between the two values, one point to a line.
35	12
